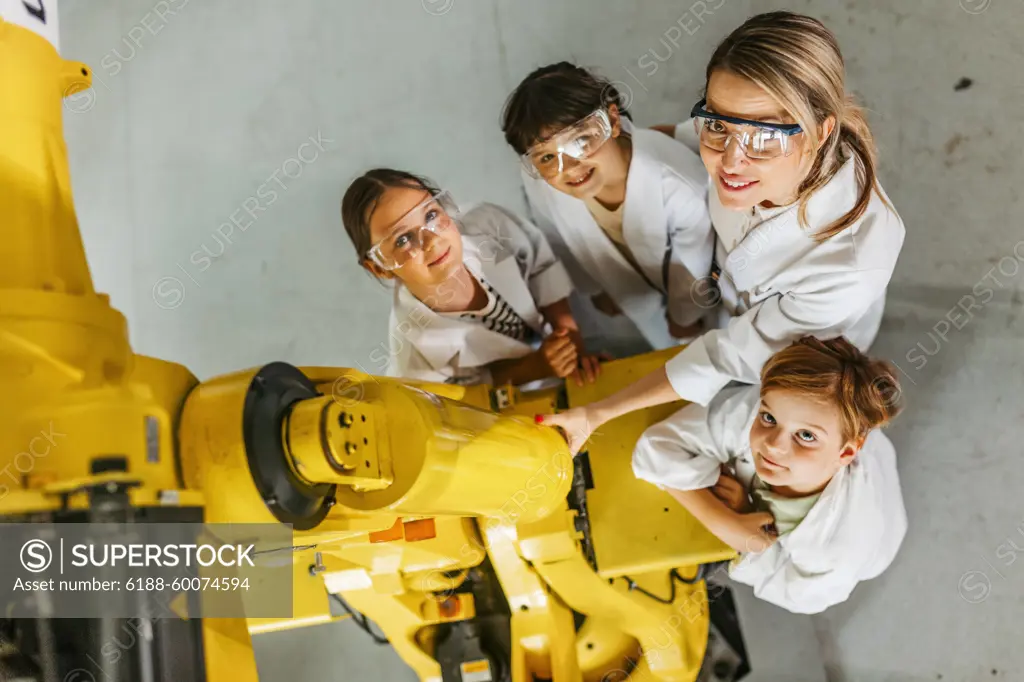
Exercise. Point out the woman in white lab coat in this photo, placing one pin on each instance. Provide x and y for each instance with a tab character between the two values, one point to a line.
478	298
802	452
625	209
806	238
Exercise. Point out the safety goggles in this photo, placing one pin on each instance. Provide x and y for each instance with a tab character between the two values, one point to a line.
757	140
435	215
578	141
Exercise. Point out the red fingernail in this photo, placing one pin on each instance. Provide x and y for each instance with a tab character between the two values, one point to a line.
538	418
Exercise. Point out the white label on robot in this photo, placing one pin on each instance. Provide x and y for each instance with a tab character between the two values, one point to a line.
476	671
38	16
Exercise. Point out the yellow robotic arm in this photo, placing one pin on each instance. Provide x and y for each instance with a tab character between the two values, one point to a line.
442	513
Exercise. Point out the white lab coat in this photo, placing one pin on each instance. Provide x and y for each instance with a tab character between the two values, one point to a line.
779	284
511	255
852	533
665	224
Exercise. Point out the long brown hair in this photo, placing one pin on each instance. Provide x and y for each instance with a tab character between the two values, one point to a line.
797	61
865	390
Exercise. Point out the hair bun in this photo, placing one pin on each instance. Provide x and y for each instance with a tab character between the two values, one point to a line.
886	389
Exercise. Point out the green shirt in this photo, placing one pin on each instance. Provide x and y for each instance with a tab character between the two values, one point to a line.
788	511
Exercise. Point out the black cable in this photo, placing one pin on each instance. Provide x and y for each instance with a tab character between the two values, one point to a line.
702	572
360	620
673	577
633	587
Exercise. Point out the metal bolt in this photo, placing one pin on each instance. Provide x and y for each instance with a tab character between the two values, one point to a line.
350	448
345	420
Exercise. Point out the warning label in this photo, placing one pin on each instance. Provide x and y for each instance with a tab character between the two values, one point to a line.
476	671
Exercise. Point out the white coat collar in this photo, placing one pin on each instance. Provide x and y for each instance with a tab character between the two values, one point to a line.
779	239
439	338
484	258
645	206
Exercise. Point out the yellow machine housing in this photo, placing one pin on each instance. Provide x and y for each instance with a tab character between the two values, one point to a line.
428	509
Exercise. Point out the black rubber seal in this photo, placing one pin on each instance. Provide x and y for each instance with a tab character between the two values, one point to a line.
102	465
272	393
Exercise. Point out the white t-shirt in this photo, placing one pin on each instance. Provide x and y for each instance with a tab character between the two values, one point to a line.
787	511
610	223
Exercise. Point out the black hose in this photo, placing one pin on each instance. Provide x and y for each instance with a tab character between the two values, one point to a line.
360	620
702	571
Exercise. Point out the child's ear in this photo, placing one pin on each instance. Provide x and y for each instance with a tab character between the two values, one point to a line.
375	270
850	450
615	118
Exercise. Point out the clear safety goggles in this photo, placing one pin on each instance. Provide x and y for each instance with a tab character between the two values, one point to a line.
578	141
757	140
431	217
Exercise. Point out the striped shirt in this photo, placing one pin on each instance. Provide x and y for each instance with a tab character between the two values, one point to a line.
498	316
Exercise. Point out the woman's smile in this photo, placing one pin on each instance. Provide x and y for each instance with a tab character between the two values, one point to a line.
735	183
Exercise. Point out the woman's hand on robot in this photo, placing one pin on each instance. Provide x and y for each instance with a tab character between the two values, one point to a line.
576	426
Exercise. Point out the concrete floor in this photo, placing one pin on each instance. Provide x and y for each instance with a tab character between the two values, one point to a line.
194	112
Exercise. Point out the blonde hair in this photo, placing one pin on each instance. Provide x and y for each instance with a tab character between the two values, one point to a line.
865	390
797	61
